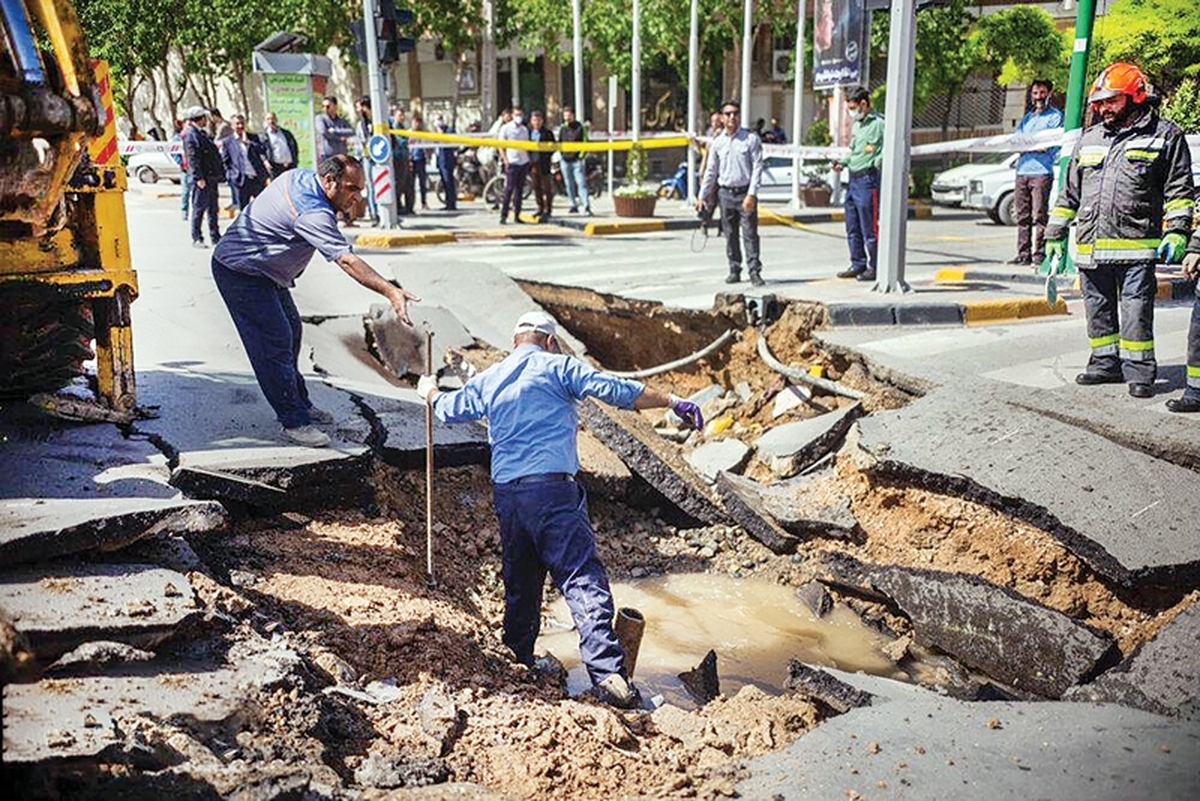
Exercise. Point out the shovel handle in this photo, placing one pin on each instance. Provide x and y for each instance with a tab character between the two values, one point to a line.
429	461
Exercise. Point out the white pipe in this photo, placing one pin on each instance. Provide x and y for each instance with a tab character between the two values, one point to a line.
798	98
799	375
675	365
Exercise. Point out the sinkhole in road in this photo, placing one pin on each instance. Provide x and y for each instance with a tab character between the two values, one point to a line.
755	626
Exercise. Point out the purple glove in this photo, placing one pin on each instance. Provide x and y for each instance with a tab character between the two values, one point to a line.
688	412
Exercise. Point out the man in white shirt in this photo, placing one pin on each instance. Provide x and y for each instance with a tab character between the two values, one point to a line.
734	168
516	164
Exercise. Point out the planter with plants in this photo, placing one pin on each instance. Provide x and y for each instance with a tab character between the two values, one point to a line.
636	198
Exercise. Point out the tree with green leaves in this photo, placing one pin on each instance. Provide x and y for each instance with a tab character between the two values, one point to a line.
1022	43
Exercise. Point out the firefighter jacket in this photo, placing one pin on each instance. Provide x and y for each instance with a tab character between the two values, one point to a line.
1124	190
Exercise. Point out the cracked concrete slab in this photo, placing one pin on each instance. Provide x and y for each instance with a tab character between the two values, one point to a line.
491	321
402	347
403	445
644	452
59	719
1129	516
1163	675
989	628
48	458
914	743
340	353
711	458
36	529
277	478
793	447
58	607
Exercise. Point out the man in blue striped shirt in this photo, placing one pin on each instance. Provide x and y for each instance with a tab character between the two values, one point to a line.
529	401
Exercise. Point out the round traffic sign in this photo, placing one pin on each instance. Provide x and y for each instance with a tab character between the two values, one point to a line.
379	148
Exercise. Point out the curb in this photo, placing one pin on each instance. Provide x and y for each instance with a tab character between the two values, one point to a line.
852	315
1170	288
404	240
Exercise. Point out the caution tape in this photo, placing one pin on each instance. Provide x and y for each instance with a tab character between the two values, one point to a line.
649	143
127	147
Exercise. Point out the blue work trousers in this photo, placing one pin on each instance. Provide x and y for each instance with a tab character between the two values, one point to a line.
574	175
269	325
204	203
544	527
449	184
862	221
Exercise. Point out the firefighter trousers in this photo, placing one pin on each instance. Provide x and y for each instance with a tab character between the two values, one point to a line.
1119	302
1192	388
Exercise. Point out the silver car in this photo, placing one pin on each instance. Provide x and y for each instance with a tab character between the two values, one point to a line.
152	165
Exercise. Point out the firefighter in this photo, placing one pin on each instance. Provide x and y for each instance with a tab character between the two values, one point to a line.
1189	402
1129	180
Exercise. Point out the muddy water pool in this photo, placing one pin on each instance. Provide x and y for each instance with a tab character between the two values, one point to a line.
754	625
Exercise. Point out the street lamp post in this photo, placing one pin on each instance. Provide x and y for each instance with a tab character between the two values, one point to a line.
798	99
893	190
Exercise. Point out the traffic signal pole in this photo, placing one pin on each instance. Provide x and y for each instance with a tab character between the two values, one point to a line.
383	177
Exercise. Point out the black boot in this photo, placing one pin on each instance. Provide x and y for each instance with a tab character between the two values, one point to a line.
1090	379
1184	405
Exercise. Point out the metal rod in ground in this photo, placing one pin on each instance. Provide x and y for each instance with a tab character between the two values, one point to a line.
429	463
628	627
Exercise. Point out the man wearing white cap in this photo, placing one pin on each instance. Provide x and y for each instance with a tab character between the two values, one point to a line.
529	401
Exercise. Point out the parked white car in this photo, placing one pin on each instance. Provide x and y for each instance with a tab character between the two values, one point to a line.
151	165
776	181
949	188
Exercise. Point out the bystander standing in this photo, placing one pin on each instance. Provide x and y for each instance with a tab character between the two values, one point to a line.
1035	176
735	169
516	164
862	194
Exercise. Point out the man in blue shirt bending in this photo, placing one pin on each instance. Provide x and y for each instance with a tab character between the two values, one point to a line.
258	261
529	401
1035	176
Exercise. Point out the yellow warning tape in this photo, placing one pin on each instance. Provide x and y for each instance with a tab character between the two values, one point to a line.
569	147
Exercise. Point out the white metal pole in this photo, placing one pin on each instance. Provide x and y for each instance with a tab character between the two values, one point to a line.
637	70
487	66
693	95
798	98
747	54
385	203
893	189
612	121
577	21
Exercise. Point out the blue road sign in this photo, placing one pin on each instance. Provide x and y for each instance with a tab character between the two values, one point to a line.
379	148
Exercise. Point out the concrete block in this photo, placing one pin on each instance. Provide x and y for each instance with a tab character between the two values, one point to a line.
277	478
860	314
792	447
32	530
58	607
744	504
929	314
95	716
1035	467
989	628
1163	675
820	686
712	458
789	398
655	461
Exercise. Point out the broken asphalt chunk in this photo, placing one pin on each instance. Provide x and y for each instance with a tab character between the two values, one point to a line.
987	627
712	458
60	607
643	451
401	347
276	477
744	504
821	686
791	448
1163	675
32	530
702	682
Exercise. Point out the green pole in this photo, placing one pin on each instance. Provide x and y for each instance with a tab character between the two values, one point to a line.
1085	19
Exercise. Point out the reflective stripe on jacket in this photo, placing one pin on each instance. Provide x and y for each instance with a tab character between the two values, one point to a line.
1124	189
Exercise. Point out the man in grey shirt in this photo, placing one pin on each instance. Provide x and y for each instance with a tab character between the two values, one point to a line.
332	130
735	166
259	259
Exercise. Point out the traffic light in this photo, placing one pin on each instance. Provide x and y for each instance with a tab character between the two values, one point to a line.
391	44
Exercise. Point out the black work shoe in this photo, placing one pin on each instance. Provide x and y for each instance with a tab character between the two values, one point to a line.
851	272
1090	379
757	280
1141	390
1184	405
869	275
1020	261
733	278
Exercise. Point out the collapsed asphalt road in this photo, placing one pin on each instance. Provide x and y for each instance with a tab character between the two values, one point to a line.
279	637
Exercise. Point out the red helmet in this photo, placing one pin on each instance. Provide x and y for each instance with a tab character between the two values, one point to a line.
1120	79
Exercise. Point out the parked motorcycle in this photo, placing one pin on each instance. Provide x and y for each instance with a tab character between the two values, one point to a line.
675	187
593	171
